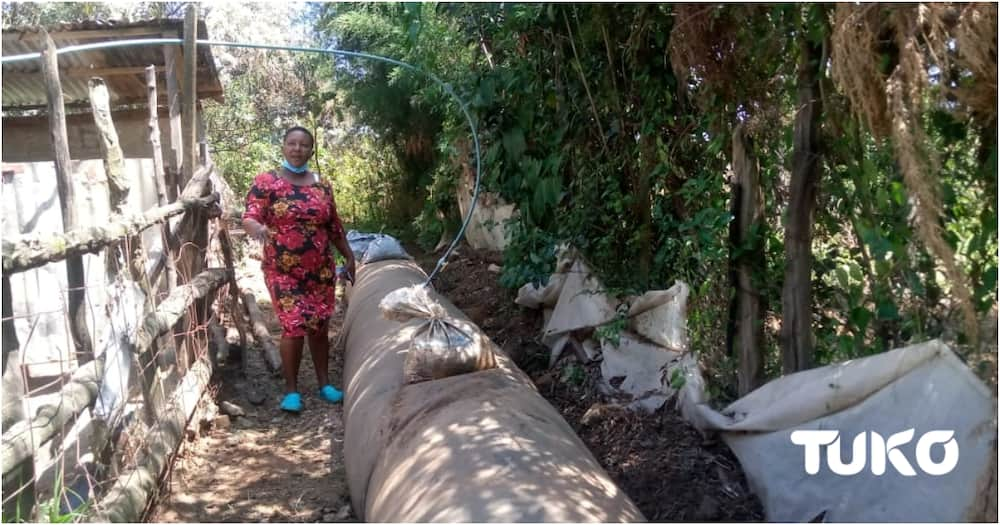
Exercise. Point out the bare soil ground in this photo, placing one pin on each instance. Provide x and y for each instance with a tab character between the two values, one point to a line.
265	466
661	462
269	466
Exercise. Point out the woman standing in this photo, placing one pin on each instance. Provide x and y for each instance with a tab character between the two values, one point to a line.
293	214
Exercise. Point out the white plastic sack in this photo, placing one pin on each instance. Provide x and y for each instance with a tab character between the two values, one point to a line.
374	247
923	387
646	370
531	296
442	346
582	303
661	316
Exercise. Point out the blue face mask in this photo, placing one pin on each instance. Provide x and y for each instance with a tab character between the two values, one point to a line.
299	170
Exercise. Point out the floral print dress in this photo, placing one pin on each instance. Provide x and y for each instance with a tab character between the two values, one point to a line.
298	262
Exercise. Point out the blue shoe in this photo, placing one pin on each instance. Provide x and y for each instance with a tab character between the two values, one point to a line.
331	394
292	403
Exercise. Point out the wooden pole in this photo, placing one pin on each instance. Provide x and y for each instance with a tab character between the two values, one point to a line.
218	345
154	136
190	95
75	278
174	108
114	159
175	306
19	441
114	169
226	244
21	479
167	315
194	231
161	182
127	499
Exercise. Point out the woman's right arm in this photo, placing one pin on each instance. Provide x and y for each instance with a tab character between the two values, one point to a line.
255	217
255	229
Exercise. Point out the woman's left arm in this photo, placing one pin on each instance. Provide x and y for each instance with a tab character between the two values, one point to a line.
339	239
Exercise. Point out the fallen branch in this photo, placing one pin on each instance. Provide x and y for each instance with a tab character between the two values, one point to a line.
260	331
31	251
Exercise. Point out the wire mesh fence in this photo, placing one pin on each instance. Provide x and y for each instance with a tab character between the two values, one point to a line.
78	427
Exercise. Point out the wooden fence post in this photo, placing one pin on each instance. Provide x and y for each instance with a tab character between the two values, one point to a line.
114	169
162	195
226	245
190	94
271	355
174	108
76	280
194	226
154	136
114	159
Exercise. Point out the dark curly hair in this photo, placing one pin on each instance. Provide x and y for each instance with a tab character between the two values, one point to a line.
292	129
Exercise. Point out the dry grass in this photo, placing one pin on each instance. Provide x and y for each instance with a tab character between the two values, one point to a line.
710	43
976	43
918	36
855	63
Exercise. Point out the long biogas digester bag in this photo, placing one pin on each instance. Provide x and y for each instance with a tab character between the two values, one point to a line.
455	439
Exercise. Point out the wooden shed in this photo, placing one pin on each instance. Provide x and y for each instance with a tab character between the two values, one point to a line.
124	71
30	200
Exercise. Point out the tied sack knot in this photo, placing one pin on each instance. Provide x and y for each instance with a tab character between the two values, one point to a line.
441	346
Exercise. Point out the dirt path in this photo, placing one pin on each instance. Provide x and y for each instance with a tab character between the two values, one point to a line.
264	466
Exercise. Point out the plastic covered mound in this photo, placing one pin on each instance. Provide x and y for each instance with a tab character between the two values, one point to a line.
374	247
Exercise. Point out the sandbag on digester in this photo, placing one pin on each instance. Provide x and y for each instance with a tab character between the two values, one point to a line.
442	346
481	446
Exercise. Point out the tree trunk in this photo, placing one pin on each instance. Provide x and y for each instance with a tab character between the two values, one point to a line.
75	277
796	294
748	313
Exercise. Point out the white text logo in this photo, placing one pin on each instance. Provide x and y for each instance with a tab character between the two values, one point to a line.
882	451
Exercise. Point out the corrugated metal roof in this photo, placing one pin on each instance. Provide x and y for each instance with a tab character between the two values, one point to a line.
121	68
